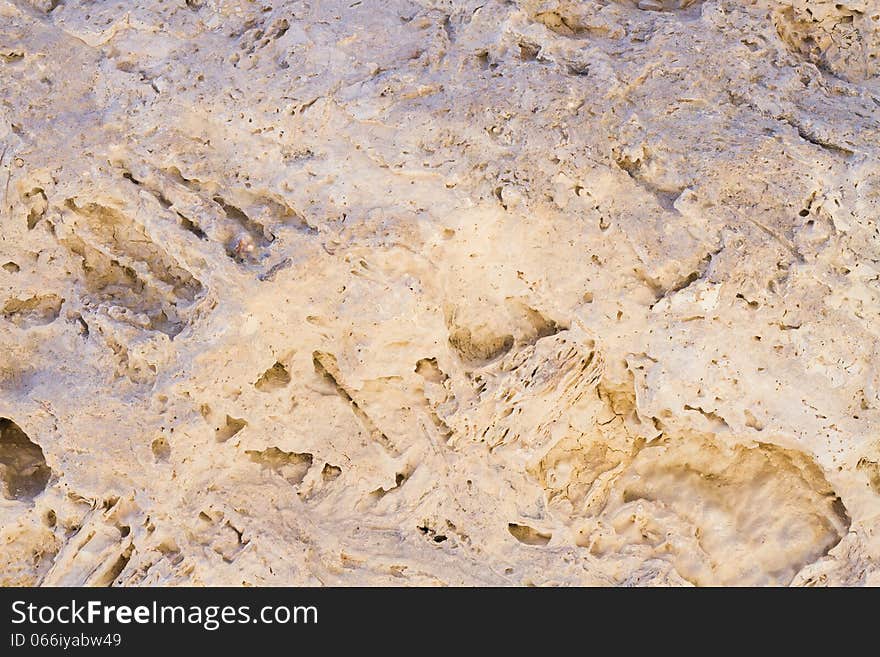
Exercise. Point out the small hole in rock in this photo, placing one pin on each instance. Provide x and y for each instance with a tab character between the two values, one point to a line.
161	449
233	426
274	378
330	472
528	535
23	470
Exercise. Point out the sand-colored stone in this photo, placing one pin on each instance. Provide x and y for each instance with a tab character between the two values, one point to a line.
422	292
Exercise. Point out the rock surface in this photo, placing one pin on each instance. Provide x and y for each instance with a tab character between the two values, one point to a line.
439	292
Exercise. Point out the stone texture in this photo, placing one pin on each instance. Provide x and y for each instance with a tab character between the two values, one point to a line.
439	292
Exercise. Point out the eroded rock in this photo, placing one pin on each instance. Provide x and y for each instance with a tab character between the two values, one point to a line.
459	292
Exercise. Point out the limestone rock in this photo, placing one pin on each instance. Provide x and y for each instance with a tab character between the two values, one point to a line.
416	292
